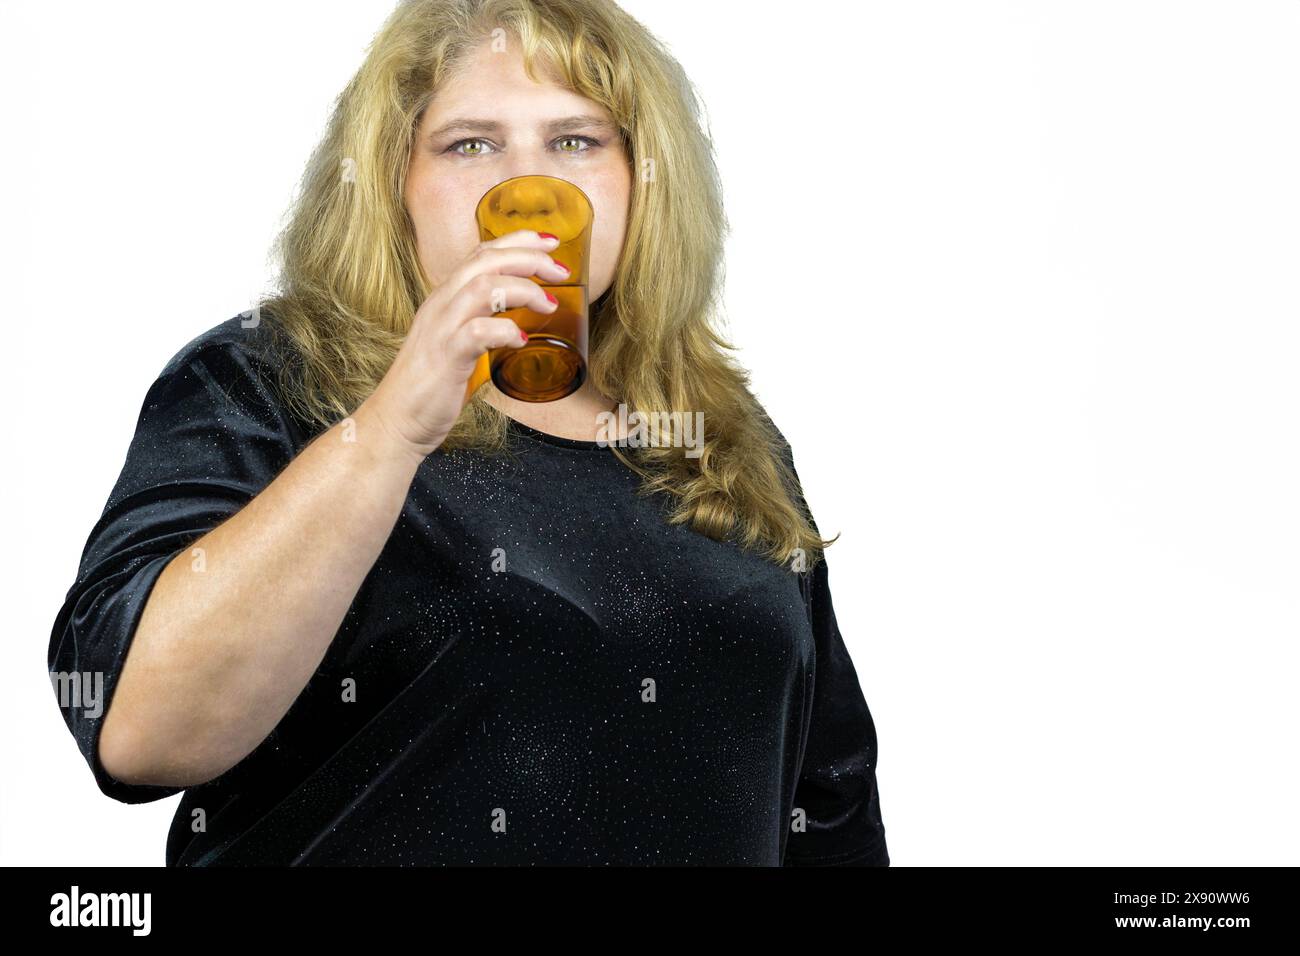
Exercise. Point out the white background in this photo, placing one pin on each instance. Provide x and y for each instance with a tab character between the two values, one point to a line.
1018	281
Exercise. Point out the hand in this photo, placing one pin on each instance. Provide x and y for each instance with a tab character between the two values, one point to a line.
424	391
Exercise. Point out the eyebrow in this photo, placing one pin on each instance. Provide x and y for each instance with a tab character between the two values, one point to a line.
462	124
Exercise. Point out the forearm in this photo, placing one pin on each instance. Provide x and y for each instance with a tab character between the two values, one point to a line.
231	634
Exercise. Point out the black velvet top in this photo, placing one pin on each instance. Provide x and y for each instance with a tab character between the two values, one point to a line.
538	669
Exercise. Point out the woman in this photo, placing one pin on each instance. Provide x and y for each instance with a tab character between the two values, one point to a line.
359	619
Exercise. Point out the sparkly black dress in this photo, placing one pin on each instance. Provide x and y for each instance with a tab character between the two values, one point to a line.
537	670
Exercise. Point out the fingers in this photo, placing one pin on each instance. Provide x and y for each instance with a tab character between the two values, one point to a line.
476	336
494	278
486	294
521	238
525	256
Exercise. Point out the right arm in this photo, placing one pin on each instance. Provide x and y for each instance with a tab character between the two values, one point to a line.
226	644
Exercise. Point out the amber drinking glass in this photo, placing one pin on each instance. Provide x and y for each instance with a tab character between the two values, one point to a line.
553	363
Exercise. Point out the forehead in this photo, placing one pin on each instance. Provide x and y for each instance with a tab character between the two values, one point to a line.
487	72
491	91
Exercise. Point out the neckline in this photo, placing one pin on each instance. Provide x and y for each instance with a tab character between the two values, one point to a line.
559	441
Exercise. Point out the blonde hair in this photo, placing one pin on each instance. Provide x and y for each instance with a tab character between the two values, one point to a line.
351	280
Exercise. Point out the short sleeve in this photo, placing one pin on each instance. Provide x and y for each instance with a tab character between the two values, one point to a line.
836	787
210	436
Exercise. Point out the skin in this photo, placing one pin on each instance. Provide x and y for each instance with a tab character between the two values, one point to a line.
449	172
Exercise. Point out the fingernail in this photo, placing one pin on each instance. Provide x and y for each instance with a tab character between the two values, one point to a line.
552	298
547	235
561	265
523	335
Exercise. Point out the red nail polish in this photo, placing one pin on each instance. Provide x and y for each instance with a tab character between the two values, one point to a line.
561	265
547	235
523	335
552	298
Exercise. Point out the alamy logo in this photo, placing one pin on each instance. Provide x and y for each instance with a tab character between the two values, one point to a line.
80	690
673	429
102	909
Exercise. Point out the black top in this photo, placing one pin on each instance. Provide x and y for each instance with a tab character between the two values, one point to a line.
621	691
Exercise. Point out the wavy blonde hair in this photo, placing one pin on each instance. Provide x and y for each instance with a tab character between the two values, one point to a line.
351	280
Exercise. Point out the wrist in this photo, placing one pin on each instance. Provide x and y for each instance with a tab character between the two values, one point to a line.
376	429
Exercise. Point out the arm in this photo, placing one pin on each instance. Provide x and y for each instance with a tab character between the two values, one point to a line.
225	645
172	664
836	788
200	653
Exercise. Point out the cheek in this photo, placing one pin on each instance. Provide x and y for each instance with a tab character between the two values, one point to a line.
610	194
442	212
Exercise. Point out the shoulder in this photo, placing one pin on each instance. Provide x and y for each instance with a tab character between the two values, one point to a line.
779	444
234	367
782	455
246	339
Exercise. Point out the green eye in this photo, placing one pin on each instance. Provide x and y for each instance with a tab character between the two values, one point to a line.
456	146
583	139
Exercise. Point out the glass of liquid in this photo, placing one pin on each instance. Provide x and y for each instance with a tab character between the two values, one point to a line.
553	363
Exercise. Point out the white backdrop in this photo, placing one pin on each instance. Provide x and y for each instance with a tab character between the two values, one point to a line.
1017	279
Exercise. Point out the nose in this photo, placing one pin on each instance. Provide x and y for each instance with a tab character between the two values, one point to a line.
529	198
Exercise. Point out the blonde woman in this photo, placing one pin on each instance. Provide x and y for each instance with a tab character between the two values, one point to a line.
362	618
